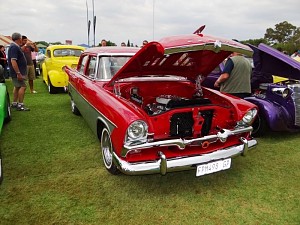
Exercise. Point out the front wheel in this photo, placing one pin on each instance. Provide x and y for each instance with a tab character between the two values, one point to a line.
8	110
107	152
260	126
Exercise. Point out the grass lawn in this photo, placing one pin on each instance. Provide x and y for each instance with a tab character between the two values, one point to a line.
53	174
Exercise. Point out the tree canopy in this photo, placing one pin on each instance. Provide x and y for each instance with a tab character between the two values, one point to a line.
285	36
283	33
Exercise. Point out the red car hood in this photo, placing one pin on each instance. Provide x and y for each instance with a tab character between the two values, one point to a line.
185	55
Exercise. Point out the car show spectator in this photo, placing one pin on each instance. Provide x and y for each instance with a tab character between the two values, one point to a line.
296	55
144	43
3	61
18	68
28	48
103	43
235	78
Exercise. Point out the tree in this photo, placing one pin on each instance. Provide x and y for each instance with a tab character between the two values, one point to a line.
282	33
255	42
43	43
55	43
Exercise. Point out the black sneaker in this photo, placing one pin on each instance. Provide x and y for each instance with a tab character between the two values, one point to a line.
22	108
14	106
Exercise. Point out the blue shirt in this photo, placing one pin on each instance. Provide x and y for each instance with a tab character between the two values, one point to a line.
228	66
15	52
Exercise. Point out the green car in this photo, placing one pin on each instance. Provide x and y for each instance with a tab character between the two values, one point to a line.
5	115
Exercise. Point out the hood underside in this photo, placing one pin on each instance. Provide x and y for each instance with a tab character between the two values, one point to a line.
186	55
270	61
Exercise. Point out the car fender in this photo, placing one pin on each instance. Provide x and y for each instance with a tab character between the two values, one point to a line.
3	104
44	73
58	78
275	115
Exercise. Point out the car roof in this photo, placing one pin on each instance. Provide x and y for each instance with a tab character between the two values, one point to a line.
52	47
112	50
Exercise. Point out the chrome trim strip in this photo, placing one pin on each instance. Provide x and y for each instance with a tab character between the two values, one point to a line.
222	135
101	117
164	165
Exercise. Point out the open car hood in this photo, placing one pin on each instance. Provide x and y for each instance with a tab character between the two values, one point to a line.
185	55
270	61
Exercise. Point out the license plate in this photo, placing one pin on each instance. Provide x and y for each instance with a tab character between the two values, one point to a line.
213	167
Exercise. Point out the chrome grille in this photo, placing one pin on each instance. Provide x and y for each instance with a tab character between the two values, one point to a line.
296	99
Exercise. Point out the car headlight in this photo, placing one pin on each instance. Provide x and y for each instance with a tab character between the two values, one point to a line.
248	118
136	131
284	92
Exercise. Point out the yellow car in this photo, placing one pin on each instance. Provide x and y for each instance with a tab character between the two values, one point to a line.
58	56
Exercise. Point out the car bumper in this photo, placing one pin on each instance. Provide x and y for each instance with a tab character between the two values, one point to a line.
164	165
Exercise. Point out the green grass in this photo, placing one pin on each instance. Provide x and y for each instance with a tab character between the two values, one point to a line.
53	174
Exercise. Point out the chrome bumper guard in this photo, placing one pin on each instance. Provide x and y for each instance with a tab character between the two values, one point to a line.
164	165
222	135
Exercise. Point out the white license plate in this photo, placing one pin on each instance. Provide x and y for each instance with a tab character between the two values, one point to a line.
213	167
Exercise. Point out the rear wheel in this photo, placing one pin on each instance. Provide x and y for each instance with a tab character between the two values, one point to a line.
51	88
74	108
107	152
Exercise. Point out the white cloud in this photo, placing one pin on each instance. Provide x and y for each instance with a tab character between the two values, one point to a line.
120	20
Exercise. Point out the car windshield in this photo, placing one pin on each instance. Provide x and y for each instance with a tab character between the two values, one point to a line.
67	52
110	65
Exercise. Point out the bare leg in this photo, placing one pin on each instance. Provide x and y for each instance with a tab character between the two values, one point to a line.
21	94
30	85
16	94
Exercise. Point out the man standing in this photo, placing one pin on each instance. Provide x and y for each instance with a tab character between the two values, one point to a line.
18	66
27	48
236	76
3	61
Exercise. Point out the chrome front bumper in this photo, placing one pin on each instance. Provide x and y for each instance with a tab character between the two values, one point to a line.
164	165
222	136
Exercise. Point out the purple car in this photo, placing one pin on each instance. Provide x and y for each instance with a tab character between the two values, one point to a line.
278	103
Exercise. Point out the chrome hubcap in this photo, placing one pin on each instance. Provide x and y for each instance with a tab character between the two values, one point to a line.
106	149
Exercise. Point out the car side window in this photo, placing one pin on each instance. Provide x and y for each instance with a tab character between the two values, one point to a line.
91	70
48	54
82	64
104	68
110	65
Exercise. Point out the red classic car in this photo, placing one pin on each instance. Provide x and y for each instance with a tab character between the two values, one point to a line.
151	114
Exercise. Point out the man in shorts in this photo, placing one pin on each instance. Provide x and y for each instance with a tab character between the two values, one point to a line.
18	68
27	48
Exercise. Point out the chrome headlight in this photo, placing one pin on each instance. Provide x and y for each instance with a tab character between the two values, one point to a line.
136	131
284	92
248	118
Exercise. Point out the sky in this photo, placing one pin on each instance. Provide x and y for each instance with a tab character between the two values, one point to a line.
136	20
